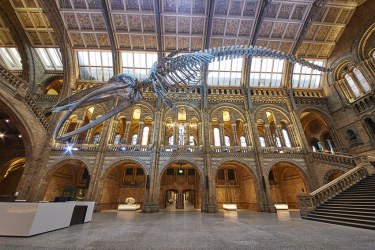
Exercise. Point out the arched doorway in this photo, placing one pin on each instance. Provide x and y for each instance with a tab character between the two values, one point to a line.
286	181
124	180
71	180
180	187
15	150
235	184
10	175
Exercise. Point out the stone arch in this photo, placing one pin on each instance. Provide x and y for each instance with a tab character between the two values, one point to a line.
47	177
194	163
254	179
325	115
112	164
363	42
227	105
286	180
297	165
271	106
167	112
330	173
103	191
195	184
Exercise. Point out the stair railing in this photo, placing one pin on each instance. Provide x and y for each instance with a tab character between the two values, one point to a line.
309	202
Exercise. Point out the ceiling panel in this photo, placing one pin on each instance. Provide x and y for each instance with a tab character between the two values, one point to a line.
35	23
326	29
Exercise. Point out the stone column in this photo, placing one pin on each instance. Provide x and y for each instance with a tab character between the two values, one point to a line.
222	134
140	132
268	136
88	136
64	127
126	134
235	135
152	133
111	139
292	134
187	133
175	137
280	135
78	125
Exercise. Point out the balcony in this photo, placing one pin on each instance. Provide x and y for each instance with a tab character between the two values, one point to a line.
181	148
231	149
74	147
126	148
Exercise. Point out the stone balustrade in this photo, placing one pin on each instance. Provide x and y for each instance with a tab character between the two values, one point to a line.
46	98
281	150
124	148
75	147
307	93
268	92
338	159
231	149
181	148
308	202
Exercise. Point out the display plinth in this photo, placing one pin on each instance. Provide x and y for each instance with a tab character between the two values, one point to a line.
27	219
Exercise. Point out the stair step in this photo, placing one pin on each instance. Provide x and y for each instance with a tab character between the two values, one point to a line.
352	215
343	219
348	205
347	211
354	199
350	202
344	208
351	224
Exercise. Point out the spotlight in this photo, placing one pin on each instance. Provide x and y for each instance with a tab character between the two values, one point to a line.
19	136
6	120
1	135
69	148
75	149
122	149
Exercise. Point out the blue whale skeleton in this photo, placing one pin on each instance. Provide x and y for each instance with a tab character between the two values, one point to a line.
172	72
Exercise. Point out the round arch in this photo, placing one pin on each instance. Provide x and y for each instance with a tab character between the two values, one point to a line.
167	112
331	175
286	180
74	178
177	175
227	105
116	183
243	191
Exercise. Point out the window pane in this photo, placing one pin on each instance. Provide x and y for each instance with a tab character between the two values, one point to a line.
55	57
304	77
44	57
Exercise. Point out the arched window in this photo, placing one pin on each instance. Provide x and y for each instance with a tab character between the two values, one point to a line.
243	141
278	142
181	131
362	80
262	141
217	137
227	141
352	85
171	140
146	131
286	138
134	139
117	139
96	138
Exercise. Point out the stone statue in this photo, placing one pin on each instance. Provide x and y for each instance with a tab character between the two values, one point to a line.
166	75
130	201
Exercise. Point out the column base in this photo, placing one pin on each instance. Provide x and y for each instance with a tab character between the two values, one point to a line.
211	209
150	208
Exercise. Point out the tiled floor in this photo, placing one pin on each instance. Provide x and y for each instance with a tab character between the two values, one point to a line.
195	230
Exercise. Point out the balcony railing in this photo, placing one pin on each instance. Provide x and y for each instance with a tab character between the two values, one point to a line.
125	148
231	149
75	147
281	150
338	158
181	148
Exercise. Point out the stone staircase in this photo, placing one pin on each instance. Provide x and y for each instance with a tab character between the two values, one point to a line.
353	207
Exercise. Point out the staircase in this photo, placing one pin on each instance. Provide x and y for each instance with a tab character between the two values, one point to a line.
353	207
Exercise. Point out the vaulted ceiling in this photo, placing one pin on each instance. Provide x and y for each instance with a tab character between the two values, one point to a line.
308	28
